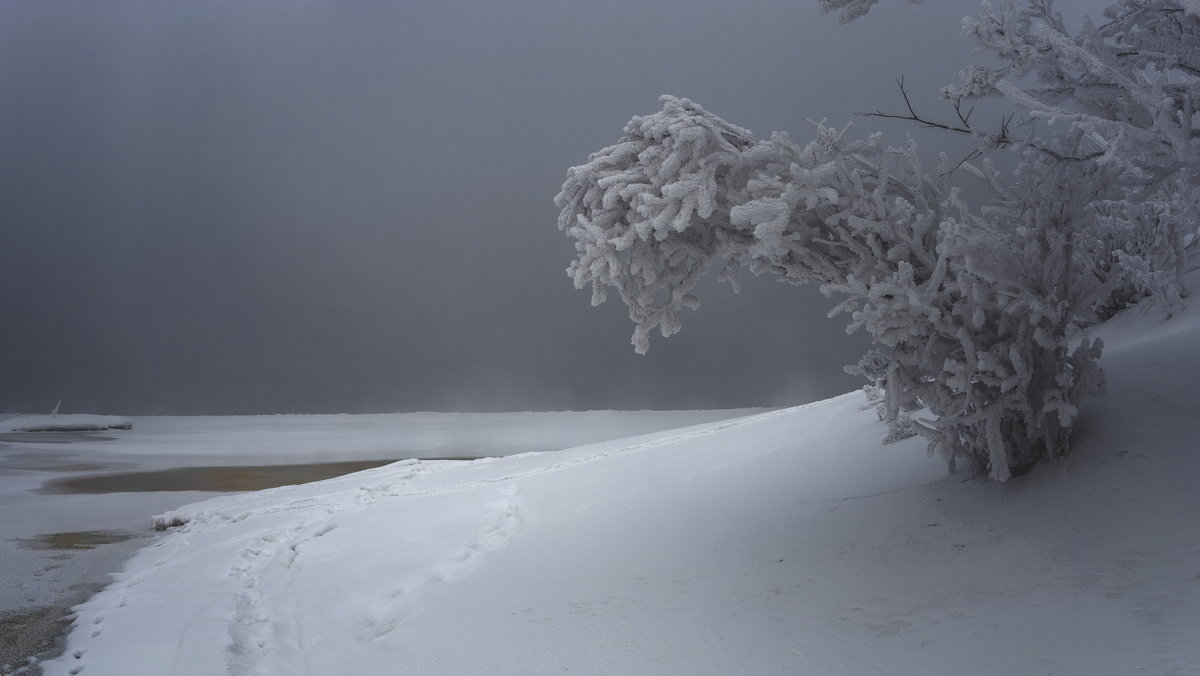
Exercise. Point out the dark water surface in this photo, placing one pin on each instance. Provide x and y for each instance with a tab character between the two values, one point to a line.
27	632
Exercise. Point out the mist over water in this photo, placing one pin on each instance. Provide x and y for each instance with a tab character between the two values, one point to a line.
255	207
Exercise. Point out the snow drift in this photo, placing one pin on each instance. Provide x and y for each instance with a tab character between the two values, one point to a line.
788	542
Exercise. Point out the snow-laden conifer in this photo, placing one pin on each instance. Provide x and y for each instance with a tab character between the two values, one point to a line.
1115	105
972	308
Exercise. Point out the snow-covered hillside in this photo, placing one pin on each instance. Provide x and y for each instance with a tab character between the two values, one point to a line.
787	542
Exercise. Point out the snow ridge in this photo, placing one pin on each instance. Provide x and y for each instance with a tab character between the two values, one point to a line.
396	489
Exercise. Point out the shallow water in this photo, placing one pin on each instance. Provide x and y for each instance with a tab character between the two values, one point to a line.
83	539
52	462
218	479
30	631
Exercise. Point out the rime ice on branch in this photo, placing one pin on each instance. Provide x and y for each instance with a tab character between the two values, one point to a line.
972	307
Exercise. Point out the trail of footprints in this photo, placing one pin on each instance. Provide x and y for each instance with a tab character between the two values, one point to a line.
503	521
263	641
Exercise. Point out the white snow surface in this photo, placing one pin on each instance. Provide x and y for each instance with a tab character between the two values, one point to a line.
786	542
32	576
74	422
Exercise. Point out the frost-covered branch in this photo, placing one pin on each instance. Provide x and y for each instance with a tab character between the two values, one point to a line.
912	264
972	308
1122	96
849	10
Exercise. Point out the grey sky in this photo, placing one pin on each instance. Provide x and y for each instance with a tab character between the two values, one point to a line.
247	207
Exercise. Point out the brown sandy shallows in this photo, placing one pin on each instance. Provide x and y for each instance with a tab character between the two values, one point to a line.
216	479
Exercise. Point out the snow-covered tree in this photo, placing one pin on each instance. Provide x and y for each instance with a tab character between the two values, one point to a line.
971	308
874	367
1119	103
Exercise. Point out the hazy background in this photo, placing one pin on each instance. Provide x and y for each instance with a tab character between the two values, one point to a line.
297	206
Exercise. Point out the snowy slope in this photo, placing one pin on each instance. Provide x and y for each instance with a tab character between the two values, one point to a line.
788	542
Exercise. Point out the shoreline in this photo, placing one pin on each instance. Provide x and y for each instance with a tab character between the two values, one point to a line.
56	486
34	632
31	634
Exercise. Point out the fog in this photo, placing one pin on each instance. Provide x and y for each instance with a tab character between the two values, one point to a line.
298	206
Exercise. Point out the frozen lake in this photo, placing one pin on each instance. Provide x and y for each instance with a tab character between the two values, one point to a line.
73	506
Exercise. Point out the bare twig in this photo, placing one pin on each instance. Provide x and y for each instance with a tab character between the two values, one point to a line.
993	141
